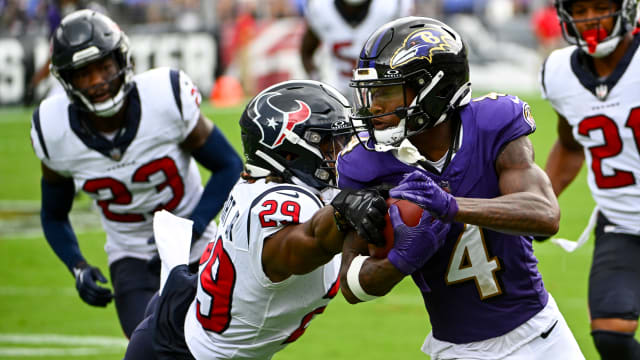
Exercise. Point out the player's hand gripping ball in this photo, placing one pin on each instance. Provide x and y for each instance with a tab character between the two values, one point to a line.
410	213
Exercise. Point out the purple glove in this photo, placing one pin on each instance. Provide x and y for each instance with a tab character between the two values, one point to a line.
414	246
422	190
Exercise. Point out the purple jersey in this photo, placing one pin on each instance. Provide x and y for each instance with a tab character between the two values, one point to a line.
482	283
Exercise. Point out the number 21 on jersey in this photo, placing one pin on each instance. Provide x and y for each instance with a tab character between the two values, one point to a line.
612	146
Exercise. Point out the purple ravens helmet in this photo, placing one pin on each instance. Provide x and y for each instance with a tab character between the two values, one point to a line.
416	53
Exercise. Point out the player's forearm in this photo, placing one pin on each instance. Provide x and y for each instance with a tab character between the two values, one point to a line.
62	240
563	165
218	156
379	276
57	199
318	243
376	277
323	228
518	213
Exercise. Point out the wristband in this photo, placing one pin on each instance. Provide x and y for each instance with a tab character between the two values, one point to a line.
353	279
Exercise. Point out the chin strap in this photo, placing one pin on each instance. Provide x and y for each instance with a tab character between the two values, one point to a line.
460	98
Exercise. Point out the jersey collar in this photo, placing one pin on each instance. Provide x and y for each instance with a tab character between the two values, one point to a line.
601	87
113	149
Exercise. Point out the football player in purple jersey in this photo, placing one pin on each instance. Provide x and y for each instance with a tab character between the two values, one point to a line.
131	143
470	165
593	87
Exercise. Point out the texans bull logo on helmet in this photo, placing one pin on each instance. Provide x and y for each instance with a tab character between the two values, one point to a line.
423	44
275	123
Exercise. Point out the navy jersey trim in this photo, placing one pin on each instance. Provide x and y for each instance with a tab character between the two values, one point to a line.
113	149
174	75
583	68
273	189
36	124
542	78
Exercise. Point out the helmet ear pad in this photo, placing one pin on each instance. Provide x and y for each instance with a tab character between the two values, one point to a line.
436	101
433	106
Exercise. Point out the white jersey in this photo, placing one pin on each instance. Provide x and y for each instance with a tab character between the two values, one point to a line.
239	312
146	170
343	42
605	117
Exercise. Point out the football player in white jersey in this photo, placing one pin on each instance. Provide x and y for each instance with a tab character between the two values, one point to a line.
129	142
340	29
273	265
593	86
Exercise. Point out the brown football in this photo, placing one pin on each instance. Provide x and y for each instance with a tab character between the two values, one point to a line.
410	213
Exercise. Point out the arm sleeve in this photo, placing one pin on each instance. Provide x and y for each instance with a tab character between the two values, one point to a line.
542	80
57	200
218	156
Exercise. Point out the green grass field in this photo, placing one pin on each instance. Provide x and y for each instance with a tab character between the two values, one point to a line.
42	316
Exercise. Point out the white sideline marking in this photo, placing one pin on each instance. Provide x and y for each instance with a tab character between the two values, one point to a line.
36	291
20	219
85	345
47	352
56	339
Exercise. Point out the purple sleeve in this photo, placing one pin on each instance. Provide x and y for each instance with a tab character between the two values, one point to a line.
504	120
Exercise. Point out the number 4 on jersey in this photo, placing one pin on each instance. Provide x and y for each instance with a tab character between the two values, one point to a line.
470	261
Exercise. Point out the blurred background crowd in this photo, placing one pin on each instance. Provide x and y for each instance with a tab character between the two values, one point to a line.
257	42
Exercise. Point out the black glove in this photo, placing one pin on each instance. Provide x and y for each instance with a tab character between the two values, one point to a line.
86	277
383	189
363	211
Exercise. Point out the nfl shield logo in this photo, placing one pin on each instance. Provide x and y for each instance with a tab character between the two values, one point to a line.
115	154
602	91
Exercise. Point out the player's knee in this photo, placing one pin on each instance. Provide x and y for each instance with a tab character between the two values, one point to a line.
614	345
